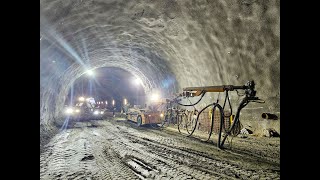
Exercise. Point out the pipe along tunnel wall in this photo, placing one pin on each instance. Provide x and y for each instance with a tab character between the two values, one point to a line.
168	44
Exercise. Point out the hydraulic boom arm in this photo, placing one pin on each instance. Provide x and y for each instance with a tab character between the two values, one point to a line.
196	91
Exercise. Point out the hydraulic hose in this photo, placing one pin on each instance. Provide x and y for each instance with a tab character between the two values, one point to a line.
203	93
196	123
243	103
212	119
194	128
227	98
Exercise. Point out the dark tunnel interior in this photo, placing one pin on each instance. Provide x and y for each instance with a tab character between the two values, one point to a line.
106	85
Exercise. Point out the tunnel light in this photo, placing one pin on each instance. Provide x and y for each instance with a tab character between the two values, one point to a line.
81	98
69	110
155	97
137	81
113	102
90	72
125	101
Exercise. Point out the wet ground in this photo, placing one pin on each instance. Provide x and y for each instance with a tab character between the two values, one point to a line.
117	149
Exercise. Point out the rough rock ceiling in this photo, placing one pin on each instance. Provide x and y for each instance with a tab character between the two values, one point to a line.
180	42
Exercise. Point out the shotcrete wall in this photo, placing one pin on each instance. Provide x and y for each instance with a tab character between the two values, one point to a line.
168	44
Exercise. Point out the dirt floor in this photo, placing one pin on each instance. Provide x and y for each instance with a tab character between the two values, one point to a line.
117	149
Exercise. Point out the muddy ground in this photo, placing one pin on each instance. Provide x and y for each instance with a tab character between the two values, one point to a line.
117	149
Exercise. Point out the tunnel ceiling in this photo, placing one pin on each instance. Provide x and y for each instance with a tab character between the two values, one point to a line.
168	44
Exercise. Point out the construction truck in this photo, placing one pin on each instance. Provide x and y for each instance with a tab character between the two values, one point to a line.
85	109
152	113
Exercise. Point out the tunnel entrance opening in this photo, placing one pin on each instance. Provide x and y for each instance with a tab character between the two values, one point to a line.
108	84
100	93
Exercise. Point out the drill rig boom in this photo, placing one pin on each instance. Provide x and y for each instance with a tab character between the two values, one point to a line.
196	91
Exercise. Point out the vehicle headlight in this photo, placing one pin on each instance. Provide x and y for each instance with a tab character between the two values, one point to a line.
77	110
69	110
101	112
96	112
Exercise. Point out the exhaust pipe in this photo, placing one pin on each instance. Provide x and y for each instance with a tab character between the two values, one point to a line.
269	116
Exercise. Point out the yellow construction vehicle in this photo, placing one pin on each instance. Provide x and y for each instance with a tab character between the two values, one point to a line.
153	113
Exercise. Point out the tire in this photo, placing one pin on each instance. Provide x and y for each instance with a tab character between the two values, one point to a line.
139	120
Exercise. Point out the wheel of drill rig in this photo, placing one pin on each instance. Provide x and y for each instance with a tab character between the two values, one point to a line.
139	120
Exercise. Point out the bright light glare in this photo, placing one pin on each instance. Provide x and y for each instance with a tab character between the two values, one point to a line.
81	98
137	81
90	72
161	115
125	101
106	102
155	97
69	110
96	112
113	102
77	110
101	112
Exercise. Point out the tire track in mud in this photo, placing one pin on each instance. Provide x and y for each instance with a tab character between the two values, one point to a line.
257	150
115	151
178	141
84	155
67	160
198	161
253	149
266	150
188	158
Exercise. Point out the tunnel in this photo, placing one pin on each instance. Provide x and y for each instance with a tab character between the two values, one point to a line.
167	45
